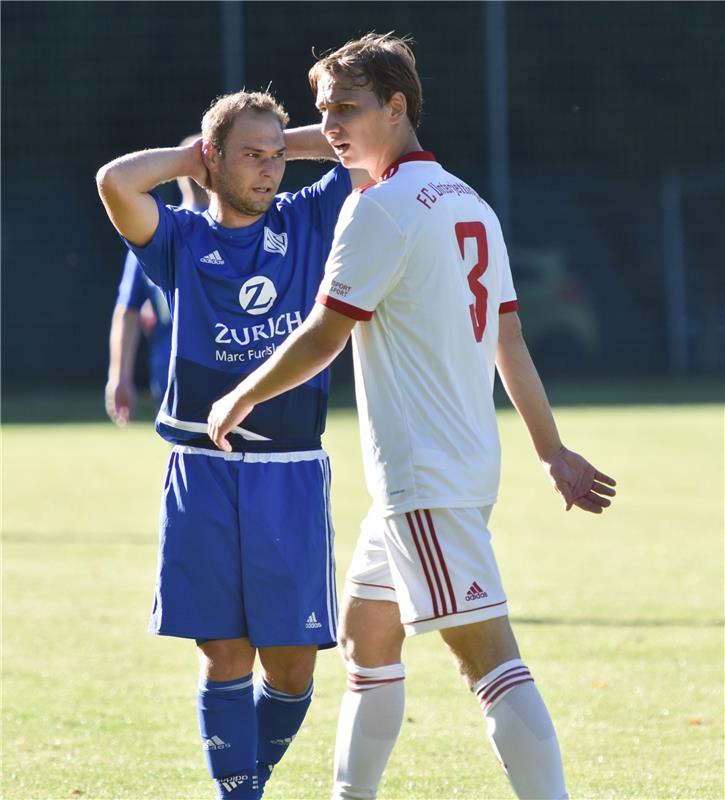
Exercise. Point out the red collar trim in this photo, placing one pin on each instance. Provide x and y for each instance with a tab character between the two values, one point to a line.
417	155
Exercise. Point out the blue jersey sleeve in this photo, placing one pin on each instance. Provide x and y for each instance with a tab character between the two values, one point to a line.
134	289
322	199
158	257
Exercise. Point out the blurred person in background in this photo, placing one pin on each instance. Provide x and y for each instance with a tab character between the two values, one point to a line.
419	273
246	564
141	308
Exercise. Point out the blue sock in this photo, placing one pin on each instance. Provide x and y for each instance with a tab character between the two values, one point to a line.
228	727
279	717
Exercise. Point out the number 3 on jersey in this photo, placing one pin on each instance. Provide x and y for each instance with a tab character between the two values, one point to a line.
477	232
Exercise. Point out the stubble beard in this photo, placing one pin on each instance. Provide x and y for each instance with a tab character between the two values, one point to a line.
238	200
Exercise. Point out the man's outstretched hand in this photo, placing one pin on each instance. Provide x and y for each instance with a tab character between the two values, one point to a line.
225	414
579	483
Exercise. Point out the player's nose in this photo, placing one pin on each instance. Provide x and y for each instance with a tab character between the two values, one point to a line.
329	124
271	166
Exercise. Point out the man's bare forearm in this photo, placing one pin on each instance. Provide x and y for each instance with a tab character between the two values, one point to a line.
574	478
306	352
123	344
120	392
146	169
307	142
523	386
124	185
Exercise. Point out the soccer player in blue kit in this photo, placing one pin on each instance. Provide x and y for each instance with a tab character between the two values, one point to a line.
141	306
246	563
135	296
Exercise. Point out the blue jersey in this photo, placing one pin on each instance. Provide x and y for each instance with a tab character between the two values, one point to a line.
133	291
235	294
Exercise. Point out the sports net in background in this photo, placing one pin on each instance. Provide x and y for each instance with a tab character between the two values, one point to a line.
605	101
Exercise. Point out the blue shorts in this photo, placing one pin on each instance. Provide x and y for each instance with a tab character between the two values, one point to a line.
246	549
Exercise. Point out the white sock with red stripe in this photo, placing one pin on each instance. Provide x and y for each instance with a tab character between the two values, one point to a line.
370	718
521	732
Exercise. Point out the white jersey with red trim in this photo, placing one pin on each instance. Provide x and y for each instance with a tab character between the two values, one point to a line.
420	260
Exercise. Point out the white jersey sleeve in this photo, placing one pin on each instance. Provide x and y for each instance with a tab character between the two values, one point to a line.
366	261
508	301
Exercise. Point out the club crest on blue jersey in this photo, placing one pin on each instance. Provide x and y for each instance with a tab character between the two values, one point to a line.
275	242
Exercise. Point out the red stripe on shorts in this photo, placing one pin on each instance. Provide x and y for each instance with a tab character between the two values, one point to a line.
444	566
461	611
374	585
425	535
422	561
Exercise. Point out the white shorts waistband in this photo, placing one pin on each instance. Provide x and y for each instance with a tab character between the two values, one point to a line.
254	458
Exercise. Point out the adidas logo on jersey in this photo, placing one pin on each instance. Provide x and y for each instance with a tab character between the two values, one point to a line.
233	781
212	258
475	592
275	242
312	621
215	743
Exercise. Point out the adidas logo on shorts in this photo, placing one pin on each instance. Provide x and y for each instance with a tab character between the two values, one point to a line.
475	592
312	621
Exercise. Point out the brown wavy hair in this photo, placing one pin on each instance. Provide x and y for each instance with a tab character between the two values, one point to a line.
383	62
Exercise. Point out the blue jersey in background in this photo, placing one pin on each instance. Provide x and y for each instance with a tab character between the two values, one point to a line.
133	291
235	294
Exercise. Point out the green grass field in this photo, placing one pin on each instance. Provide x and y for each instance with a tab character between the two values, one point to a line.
619	618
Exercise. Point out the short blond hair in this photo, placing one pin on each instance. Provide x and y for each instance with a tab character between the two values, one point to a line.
220	116
384	62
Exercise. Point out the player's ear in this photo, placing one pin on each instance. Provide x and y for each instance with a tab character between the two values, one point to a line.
398	107
209	155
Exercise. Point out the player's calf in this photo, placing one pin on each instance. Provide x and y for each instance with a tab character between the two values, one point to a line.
282	696
279	718
521	732
228	727
368	726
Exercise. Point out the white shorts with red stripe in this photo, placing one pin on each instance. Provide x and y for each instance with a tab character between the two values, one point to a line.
437	565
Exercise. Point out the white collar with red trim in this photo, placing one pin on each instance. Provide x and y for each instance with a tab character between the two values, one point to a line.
416	155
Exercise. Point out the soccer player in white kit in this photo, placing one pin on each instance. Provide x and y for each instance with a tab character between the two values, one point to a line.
419	261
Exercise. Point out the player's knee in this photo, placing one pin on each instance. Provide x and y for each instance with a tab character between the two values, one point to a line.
288	670
294	680
346	647
356	651
370	634
225	659
364	653
481	647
